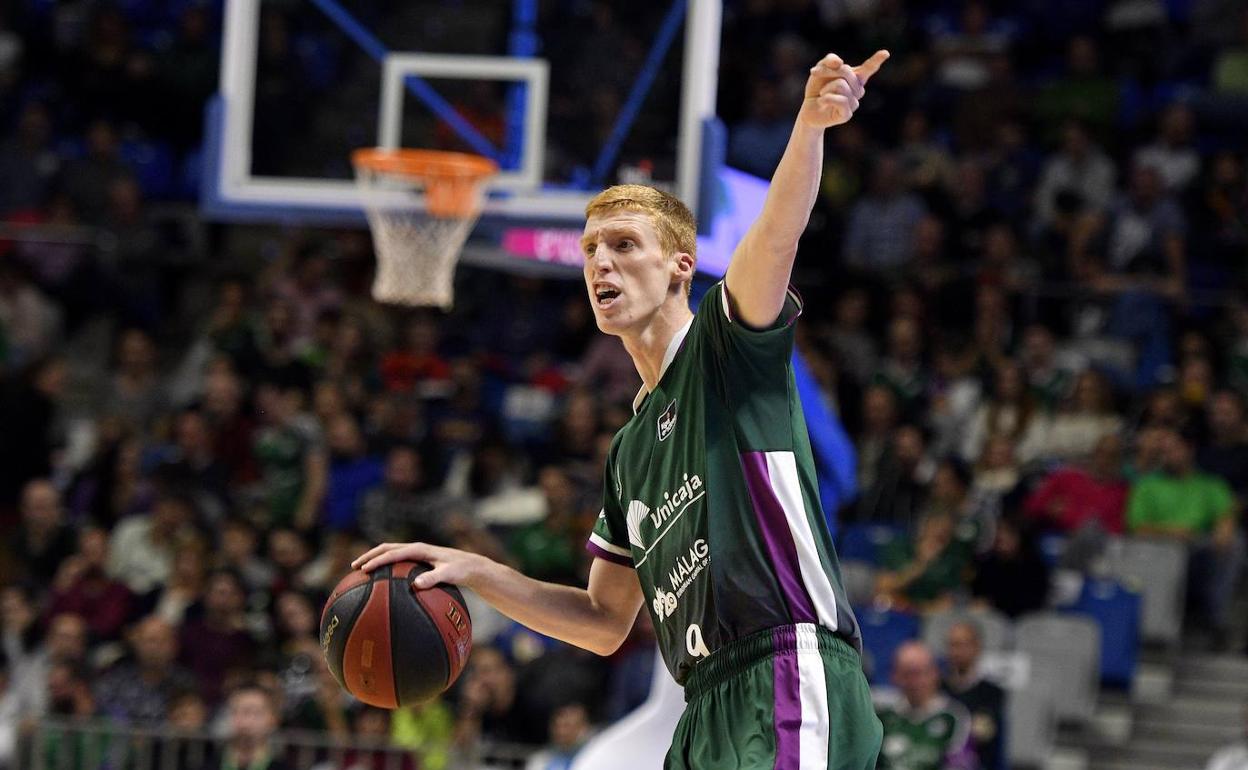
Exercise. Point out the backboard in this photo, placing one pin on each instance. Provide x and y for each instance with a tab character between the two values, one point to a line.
550	89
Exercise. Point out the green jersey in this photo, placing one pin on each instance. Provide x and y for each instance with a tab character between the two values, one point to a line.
936	737
711	496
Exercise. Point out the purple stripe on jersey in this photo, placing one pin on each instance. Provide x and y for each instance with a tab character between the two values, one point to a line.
787	682
777	538
603	553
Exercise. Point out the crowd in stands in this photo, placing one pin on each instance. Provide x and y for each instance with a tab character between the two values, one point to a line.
1025	275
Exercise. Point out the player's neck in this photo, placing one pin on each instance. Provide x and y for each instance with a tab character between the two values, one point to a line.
648	345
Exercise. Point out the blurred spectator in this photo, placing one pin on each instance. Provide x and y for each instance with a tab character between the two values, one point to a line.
238	551
306	288
185	587
902	369
632	668
417	364
547	549
231	427
984	700
353	472
1084	91
136	393
1012	576
28	164
289	553
253	719
84	589
1230	68
1011	411
606	368
371	726
923	728
1182	503
1138	244
139	690
900	487
953	397
192	460
928	571
290	452
1173	154
19	631
87	181
880	233
1077	179
217	642
114	485
1092	493
996	478
963	54
43	539
569	730
141	552
404	508
488	706
64	642
1225	453
428	728
1050	375
1086	419
1235	756
29	407
879	419
756	144
849	337
29	322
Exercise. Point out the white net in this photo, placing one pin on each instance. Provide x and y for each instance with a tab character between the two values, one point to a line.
419	230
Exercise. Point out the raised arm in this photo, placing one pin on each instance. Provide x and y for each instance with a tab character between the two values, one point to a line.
596	619
759	273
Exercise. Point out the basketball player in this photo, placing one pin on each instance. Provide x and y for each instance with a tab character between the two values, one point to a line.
711	513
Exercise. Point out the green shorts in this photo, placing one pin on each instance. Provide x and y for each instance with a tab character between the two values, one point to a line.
788	698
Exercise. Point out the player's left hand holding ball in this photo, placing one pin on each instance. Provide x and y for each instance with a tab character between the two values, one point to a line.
835	88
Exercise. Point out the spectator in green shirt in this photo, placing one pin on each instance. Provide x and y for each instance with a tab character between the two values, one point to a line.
1183	503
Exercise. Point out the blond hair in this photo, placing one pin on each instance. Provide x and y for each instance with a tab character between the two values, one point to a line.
672	219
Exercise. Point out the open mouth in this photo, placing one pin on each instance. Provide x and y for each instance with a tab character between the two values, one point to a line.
606	295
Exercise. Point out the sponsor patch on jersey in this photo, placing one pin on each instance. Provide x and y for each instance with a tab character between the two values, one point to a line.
667	421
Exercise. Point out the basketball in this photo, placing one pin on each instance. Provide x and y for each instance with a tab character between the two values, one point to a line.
390	644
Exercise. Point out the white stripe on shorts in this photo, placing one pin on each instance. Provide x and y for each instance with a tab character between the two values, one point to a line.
816	722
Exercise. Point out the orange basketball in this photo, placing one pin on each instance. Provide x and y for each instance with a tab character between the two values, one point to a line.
390	644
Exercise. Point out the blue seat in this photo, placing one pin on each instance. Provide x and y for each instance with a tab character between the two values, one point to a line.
1117	610
865	542
883	631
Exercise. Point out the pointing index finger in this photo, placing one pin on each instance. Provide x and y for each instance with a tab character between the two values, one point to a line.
871	65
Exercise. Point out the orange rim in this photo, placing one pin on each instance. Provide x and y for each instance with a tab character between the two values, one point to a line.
424	164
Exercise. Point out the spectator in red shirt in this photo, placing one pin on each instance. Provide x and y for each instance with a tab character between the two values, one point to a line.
416	364
1077	496
218	642
83	587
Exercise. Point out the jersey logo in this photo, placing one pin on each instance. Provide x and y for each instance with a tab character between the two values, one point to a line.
667	421
664	604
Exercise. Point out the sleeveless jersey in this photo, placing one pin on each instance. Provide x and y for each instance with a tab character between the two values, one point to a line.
710	493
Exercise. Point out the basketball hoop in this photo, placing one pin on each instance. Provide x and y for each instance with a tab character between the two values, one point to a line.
421	205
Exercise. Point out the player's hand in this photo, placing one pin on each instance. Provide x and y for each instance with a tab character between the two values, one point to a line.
450	565
835	88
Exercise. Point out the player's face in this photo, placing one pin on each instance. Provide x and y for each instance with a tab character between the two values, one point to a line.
628	274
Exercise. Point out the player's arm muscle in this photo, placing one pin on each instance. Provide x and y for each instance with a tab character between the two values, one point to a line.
758	275
597	618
